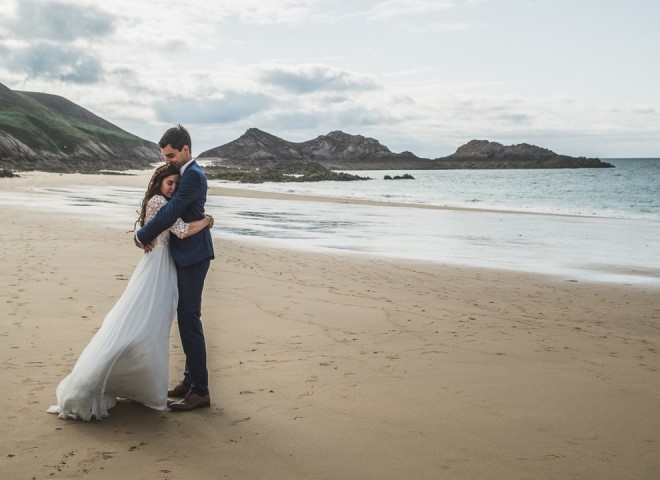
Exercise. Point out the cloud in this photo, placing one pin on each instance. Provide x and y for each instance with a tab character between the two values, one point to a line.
295	122
60	21
67	64
395	8
443	27
300	122
518	119
51	40
232	106
316	78
265	12
349	119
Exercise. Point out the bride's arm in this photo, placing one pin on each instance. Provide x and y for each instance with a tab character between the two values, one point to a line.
183	230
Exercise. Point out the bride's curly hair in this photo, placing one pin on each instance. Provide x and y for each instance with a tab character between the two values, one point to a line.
160	174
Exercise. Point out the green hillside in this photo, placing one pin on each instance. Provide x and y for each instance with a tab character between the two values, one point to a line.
55	124
64	136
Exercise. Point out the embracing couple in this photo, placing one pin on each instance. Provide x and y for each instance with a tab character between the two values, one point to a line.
129	356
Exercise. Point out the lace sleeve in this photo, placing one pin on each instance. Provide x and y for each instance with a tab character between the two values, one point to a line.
155	203
180	228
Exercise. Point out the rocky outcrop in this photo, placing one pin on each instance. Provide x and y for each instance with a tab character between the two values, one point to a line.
340	145
485	154
405	176
299	171
87	157
341	151
337	149
253	148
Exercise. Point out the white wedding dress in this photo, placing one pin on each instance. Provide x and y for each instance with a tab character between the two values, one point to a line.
128	356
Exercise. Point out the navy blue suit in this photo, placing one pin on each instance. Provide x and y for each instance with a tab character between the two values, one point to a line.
192	256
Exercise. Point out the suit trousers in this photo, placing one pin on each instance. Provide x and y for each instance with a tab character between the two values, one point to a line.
189	314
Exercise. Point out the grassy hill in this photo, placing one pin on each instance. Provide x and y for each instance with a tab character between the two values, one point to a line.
42	131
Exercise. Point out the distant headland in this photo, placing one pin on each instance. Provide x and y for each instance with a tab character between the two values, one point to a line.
258	156
46	132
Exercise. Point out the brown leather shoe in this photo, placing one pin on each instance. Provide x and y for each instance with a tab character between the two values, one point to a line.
179	391
191	401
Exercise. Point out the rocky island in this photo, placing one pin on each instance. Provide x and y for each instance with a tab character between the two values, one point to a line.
484	154
259	156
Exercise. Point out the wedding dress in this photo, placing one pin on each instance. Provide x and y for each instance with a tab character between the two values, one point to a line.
128	356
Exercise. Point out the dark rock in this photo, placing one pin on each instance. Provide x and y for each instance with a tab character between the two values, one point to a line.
336	150
279	172
484	154
340	151
405	176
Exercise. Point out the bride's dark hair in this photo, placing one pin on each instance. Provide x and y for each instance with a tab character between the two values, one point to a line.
160	174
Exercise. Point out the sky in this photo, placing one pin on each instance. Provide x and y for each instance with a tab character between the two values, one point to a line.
579	77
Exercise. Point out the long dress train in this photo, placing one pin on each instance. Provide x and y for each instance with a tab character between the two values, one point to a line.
129	355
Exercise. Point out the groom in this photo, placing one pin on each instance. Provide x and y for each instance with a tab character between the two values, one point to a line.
192	256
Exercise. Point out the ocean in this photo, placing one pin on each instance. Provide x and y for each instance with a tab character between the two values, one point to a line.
631	190
599	225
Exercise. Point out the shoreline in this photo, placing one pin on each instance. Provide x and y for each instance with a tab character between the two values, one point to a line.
399	369
557	245
139	178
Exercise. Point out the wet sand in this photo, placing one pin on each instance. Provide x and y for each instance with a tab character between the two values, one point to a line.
332	366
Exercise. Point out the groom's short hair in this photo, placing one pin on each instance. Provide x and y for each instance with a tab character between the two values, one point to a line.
176	137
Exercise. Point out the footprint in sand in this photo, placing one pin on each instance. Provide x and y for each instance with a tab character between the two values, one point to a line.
132	448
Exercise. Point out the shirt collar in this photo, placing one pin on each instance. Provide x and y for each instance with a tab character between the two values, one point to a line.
183	169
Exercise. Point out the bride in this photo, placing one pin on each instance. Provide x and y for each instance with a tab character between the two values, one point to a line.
128	356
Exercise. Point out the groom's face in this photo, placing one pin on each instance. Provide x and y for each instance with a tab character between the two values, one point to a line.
175	157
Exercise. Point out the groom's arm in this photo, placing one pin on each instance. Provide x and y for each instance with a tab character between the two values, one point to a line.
186	193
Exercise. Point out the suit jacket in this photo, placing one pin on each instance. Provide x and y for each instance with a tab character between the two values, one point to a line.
187	203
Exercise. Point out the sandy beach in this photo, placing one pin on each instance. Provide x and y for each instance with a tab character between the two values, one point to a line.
331	366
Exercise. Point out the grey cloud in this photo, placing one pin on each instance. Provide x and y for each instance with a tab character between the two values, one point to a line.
351	120
51	28
60	21
336	99
68	64
363	118
232	107
129	79
125	74
297	121
516	118
315	79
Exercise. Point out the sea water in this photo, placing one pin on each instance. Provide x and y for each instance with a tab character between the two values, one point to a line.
578	224
630	190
